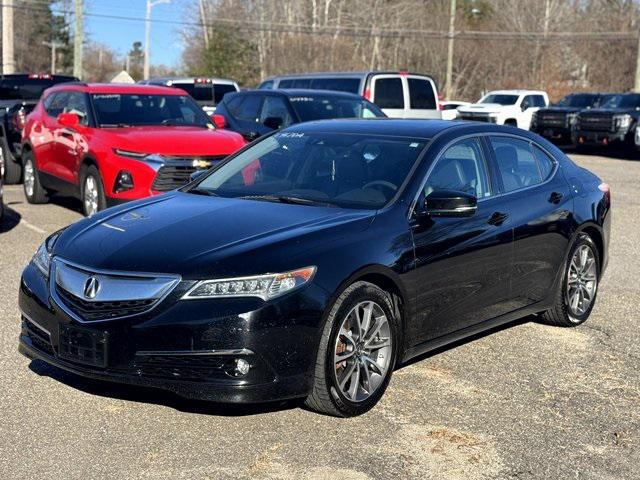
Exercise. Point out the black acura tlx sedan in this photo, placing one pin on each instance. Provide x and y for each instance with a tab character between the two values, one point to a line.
316	260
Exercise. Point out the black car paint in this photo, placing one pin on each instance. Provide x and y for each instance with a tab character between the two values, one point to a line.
251	129
451	277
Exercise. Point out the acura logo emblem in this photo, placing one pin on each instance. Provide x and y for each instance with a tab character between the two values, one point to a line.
91	288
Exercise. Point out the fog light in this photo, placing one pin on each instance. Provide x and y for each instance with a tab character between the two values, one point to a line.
242	367
124	182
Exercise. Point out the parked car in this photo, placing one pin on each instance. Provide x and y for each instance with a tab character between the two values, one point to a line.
506	107
208	92
612	124
318	259
450	109
398	94
257	112
556	122
19	93
1	189
109	143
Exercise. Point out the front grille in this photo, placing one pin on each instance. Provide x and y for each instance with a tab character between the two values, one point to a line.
39	338
177	171
191	367
596	122
552	119
103	310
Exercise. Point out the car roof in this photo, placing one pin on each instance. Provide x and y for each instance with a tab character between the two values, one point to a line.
115	88
296	92
518	92
361	73
186	80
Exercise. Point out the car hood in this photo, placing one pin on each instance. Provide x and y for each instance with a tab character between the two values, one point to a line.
484	108
198	236
561	110
611	111
171	140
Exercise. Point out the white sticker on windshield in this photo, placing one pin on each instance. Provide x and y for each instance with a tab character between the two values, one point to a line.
291	135
414	145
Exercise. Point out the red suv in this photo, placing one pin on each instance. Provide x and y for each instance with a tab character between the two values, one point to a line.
109	143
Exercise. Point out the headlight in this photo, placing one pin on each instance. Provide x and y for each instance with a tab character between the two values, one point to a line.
42	258
129	154
623	121
265	287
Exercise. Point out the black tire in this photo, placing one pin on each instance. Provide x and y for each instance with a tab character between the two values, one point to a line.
85	174
560	314
326	396
12	170
37	194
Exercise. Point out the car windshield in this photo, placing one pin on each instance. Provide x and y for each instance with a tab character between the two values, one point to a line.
500	98
579	101
321	107
124	109
329	169
629	100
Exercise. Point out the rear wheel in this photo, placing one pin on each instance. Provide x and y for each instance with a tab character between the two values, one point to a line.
92	192
577	296
33	190
357	352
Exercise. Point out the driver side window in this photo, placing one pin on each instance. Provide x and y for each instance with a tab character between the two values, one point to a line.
461	168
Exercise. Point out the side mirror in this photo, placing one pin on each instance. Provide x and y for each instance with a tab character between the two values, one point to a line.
525	107
218	120
274	123
448	203
70	120
197	174
250	136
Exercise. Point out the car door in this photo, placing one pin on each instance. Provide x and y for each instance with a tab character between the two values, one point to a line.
69	143
388	92
539	204
528	107
423	102
43	135
463	265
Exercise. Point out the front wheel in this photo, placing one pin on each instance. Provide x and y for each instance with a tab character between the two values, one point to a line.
92	192
357	353
577	296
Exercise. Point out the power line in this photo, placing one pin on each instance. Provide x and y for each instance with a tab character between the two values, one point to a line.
355	31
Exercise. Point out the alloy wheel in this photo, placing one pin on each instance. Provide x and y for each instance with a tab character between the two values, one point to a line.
582	281
91	195
362	352
29	178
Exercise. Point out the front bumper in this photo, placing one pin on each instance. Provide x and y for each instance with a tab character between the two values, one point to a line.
600	138
187	347
554	133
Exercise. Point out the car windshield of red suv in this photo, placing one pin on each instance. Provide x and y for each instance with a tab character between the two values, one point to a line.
131	110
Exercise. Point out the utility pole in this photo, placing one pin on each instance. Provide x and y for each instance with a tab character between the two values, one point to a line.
53	45
452	32
77	41
147	33
203	20
8	60
637	83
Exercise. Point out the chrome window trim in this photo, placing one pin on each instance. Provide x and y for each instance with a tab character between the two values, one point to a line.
556	166
214	353
34	323
58	301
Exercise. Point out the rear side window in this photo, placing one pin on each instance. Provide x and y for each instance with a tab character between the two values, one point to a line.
421	94
245	108
389	93
221	89
545	163
295	83
517	165
351	85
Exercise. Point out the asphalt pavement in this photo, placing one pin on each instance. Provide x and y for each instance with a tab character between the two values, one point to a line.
527	401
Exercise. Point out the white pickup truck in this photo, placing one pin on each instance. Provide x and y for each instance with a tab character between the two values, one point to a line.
506	107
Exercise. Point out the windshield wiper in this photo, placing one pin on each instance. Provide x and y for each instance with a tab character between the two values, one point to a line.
115	125
203	191
287	199
170	122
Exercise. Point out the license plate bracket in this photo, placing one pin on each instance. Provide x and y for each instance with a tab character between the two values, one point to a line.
82	345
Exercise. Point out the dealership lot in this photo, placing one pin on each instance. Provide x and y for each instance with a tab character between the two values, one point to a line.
527	401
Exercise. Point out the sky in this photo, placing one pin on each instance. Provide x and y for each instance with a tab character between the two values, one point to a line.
166	43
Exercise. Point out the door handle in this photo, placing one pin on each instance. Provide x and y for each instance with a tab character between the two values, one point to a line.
555	197
497	218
